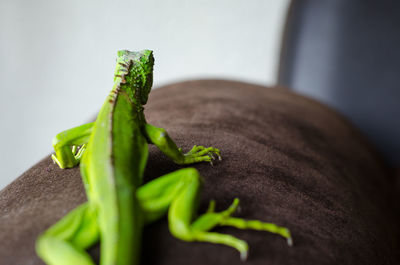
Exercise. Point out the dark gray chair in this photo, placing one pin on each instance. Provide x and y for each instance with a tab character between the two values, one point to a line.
347	55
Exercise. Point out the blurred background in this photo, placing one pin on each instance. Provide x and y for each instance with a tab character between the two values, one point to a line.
57	58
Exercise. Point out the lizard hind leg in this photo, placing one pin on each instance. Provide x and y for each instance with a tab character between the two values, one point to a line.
65	242
178	193
199	228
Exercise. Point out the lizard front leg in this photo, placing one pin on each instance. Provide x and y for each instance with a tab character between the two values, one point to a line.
161	139
65	144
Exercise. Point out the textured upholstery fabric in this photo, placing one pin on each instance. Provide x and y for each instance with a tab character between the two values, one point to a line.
289	159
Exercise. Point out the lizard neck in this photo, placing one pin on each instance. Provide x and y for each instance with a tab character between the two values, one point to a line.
130	79
120	87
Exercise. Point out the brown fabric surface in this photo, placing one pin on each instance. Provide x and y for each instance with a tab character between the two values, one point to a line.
289	159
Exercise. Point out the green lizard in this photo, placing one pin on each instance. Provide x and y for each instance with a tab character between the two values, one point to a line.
112	152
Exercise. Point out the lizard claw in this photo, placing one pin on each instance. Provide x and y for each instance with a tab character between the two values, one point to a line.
243	255
80	152
54	159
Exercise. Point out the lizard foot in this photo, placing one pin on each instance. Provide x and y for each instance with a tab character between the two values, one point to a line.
202	154
64	159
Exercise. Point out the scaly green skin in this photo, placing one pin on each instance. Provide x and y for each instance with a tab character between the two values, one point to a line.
112	154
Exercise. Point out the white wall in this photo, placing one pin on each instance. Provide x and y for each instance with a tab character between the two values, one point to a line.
57	58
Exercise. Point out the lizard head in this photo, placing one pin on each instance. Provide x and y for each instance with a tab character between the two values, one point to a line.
137	69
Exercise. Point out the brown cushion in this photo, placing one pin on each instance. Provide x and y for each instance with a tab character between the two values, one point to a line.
289	159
